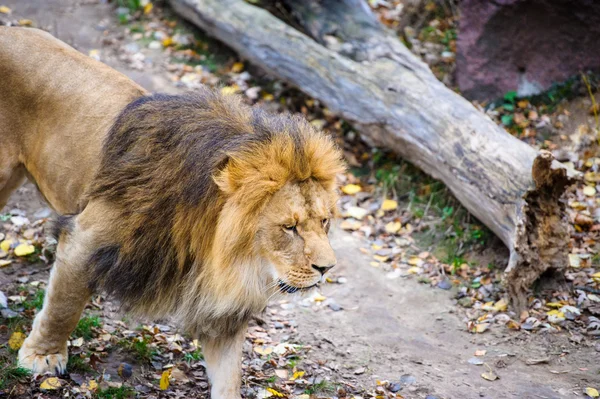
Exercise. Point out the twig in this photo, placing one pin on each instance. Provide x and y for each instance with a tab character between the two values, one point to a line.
594	105
588	289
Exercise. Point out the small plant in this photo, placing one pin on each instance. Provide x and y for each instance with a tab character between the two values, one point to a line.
140	347
78	364
122	392
323	387
194	356
85	325
10	372
36	302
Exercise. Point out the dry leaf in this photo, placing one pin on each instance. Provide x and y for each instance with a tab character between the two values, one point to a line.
5	263
51	383
480	352
5	10
24	249
589	191
237	67
16	340
389	205
357	212
282	373
148	8
393	227
164	380
489	375
592	392
275	393
297	374
351	189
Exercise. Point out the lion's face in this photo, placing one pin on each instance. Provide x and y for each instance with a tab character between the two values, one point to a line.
292	234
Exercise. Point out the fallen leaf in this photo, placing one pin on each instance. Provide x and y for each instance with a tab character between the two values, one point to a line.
351	225
555	316
351	189
282	373
24	249
357	212
50	384
148	8
237	67
532	362
489	375
92	385
275	393
164	380
589	191
25	22
5	263
389	205
77	342
481	328
5	245
574	260
5	10
297	374
592	392
319	298
480	352
261	350
16	340
501	305
393	227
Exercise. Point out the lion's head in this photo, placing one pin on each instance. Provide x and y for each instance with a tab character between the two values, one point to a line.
216	206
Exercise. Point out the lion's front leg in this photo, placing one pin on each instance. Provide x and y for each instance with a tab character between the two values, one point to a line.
223	357
45	349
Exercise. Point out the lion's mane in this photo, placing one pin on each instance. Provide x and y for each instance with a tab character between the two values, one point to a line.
188	177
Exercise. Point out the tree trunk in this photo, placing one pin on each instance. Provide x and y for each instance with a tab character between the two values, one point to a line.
368	77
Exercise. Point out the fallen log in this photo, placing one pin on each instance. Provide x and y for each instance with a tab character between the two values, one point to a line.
362	72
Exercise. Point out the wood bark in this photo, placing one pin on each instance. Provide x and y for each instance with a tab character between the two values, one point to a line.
361	71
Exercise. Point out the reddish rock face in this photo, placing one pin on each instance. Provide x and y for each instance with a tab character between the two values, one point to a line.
524	45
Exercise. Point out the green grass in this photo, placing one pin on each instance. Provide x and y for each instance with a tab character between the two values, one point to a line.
85	326
123	392
323	387
77	364
140	348
36	302
194	356
10	372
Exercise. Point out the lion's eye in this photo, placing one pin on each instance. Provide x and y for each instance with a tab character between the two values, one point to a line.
290	227
324	222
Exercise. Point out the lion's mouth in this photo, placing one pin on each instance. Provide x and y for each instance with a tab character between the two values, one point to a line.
290	289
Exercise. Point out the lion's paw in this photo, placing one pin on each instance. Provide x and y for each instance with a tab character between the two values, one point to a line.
53	363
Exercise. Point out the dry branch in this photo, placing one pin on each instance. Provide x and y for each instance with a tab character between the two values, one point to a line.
362	72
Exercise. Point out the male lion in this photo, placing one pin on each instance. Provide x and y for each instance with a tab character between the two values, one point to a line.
196	207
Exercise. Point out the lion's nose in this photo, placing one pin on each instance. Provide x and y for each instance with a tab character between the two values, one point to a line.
322	269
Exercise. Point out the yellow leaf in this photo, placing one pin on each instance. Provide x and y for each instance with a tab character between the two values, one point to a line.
489	375
415	261
275	393
268	97
592	392
25	22
297	374
261	350
230	89
16	340
381	258
5	245
51	383
148	8
589	191
237	67
481	328
414	270
556	305
5	263
164	380
5	10
90	386
24	249
167	42
351	189
393	227
501	305
389	205
319	298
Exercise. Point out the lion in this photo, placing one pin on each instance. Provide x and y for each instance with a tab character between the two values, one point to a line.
194	207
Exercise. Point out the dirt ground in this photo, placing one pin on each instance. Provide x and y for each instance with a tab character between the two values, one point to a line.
386	329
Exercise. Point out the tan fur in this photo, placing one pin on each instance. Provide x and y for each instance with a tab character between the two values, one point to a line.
196	207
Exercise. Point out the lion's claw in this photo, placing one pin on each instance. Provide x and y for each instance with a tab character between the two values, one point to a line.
53	363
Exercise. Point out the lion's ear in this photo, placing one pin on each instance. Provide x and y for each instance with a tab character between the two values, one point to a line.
228	179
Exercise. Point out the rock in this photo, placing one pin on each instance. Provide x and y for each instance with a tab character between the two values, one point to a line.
278	325
524	45
444	284
407	379
3	300
360	370
395	387
335	307
131	48
154	45
8	314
